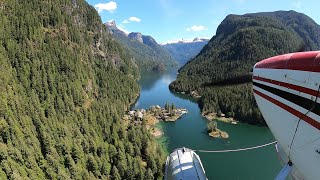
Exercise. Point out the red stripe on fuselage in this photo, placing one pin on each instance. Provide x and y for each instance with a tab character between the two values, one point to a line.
287	85
301	61
300	115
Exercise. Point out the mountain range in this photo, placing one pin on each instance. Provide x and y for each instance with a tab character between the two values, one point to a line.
67	79
184	50
240	42
146	52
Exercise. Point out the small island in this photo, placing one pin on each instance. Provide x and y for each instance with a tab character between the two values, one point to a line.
220	117
213	131
150	117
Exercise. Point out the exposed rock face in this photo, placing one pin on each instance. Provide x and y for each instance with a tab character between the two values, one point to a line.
146	52
111	24
136	36
197	39
113	29
148	40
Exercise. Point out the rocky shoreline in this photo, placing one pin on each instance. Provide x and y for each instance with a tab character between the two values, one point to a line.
219	134
193	94
151	116
212	126
214	116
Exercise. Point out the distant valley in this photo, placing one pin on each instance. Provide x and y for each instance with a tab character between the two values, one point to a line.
146	52
184	50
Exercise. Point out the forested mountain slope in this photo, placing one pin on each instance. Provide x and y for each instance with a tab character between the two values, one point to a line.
240	42
184	51
147	53
65	83
302	24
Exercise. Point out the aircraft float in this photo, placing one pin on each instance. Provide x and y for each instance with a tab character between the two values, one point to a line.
286	89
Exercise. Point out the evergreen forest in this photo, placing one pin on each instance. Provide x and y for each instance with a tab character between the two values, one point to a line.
240	42
65	84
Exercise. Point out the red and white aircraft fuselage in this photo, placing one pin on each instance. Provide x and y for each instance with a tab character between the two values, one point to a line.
286	89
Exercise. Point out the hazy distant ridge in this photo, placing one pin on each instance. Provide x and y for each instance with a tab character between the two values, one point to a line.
184	50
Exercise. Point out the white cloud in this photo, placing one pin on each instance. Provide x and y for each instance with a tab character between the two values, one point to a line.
125	22
131	19
134	19
110	6
196	28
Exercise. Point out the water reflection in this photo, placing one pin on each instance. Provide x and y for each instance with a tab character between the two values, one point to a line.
149	79
189	131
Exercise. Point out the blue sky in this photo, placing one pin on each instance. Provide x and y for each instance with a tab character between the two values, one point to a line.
168	20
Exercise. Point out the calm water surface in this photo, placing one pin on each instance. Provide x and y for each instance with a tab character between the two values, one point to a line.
190	131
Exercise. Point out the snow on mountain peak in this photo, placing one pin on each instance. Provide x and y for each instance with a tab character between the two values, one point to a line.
111	23
197	39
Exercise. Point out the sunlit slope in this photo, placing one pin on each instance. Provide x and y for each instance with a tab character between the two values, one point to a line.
240	42
65	83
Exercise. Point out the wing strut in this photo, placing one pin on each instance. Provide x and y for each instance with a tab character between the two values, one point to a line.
285	171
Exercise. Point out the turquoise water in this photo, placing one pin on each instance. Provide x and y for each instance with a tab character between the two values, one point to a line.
189	131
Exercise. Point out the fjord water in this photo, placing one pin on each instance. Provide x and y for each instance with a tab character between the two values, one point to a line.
190	131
